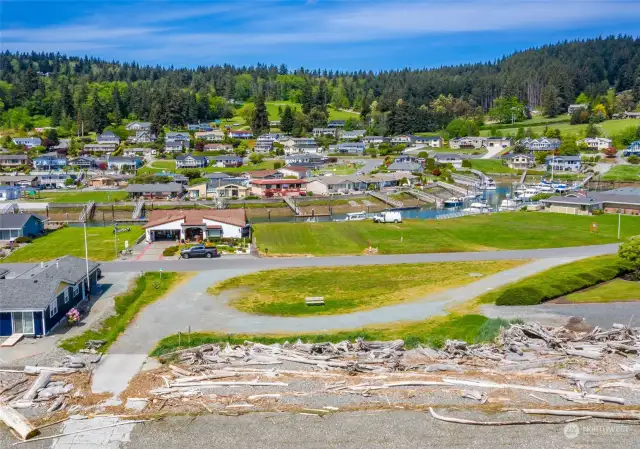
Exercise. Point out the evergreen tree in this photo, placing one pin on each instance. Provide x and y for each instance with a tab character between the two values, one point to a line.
322	96
551	102
306	98
287	120
260	122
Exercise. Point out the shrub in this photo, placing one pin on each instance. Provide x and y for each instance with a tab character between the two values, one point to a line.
170	251
559	281
633	159
23	239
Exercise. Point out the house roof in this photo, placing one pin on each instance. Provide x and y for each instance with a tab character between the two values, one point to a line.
333	180
563	158
217	176
235	217
278	181
449	156
296	168
256	174
572	200
123	159
155	188
406	166
22	157
16	221
197	158
29	178
36	287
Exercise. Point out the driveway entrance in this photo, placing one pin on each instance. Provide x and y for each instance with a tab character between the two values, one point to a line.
153	251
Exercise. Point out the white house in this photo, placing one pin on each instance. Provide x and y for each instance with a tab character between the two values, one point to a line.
596	143
331	132
193	225
405	139
454	159
375	140
467	142
430	141
520	161
138	126
210	136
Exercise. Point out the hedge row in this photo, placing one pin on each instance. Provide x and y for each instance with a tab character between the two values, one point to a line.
559	281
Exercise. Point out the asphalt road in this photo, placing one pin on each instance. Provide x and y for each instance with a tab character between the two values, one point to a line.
253	263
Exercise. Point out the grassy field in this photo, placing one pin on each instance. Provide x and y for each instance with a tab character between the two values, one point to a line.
623	173
80	197
608	128
507	230
348	289
491	166
70	240
557	282
431	332
272	110
339	169
615	290
147	289
264	165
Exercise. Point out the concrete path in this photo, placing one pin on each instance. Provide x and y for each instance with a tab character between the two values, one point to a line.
600	314
491	153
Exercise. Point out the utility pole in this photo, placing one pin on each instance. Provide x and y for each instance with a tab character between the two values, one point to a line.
86	255
115	238
619	219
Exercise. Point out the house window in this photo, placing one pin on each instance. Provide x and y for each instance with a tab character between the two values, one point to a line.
53	308
76	290
66	295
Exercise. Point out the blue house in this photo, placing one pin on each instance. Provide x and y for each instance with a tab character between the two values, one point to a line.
36	301
563	163
8	193
199	127
49	162
13	226
350	148
633	149
124	163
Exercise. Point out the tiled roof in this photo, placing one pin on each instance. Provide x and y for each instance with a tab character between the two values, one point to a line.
235	217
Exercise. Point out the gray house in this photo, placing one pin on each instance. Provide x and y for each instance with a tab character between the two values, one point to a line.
36	301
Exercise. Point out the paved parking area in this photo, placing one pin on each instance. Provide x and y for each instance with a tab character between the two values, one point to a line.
153	251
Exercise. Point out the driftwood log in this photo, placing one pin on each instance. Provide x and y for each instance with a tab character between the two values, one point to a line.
16	421
41	381
499	423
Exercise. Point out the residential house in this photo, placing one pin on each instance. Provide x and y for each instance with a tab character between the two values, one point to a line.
54	180
305	159
332	185
564	163
63	147
131	152
20	180
541	144
211	136
191	161
520	161
356	134
105	148
331	132
121	163
270	137
178	137
83	162
406	158
196	225
267	188
300	145
454	159
263	174
411	167
632	150
336	124
576	107
157	191
240	134
28	142
108	137
469	142
219	189
263	147
138	126
348	148
292	171
37	301
226	147
403	139
385	180
49	162
573	205
8	193
498	142
375	140
225	160
631	115
624	200
430	141
596	143
14	160
199	127
102	181
175	146
13	226
143	136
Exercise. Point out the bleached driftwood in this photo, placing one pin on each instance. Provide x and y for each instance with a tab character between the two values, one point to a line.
590	413
41	381
16	421
498	423
49	369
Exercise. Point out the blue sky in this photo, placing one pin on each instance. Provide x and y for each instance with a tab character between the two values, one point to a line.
339	34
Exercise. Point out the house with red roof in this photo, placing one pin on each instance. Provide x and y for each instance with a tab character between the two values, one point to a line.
196	225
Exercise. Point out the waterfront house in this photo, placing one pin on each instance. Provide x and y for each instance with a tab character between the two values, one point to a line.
564	163
13	226
267	188
196	225
332	185
520	161
191	161
156	191
9	193
37	300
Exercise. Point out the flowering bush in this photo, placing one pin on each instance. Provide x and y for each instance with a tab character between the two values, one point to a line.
73	316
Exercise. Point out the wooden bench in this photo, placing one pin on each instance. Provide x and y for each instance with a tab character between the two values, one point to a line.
314	301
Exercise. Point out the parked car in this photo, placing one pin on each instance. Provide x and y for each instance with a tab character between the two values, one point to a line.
388	217
199	251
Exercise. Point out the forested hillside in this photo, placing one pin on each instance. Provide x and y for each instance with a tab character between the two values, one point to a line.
54	89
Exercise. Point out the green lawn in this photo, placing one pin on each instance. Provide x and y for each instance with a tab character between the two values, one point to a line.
557	282
147	289
348	289
272	110
506	230
491	166
431	332
616	290
608	127
623	173
70	240
80	197
264	165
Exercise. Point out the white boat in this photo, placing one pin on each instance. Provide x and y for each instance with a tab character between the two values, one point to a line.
356	216
453	202
478	207
528	193
510	204
489	184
